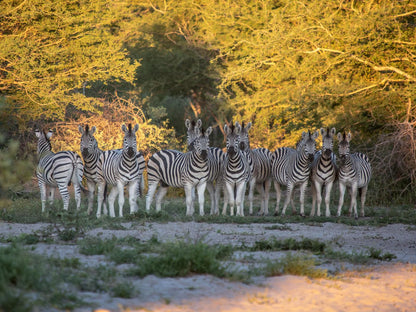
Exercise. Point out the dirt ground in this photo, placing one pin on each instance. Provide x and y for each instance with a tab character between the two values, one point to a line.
383	286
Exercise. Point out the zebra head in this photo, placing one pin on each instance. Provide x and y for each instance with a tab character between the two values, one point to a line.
244	139
232	134
308	145
201	142
344	146
129	141
88	142
191	135
44	143
327	141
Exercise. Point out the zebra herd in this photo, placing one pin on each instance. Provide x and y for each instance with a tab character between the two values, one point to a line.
204	167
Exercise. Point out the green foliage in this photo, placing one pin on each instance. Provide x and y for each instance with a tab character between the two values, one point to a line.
182	259
312	245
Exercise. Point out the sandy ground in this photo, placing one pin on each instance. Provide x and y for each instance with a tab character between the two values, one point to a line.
379	287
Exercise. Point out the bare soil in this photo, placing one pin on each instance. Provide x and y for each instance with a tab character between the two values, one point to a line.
382	286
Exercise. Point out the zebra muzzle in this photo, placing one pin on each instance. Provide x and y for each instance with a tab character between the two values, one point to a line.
204	154
130	152
85	152
231	151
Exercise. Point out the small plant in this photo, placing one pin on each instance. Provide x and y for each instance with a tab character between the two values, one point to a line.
182	259
312	245
295	265
96	246
123	290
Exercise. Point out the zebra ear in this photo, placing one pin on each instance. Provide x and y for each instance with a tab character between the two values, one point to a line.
81	129
339	136
37	132
333	131
304	135
315	135
208	131
124	128
92	131
249	126
198	123
136	127
348	137
323	132
227	130
49	134
237	128
187	124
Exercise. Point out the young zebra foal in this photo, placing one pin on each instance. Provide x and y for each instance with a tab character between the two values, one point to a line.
119	168
354	172
324	172
57	170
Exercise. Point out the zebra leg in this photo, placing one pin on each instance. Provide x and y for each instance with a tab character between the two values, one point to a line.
91	190
316	198
133	186
302	199
100	196
342	187
111	199
211	191
239	198
63	189
288	198
363	197
252	184
189	202
266	186
328	189
201	197
150	194
51	194
278	197
353	205
159	197
217	191
120	187
231	197
42	187
77	191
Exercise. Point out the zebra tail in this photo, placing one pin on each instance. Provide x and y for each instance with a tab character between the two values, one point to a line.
77	173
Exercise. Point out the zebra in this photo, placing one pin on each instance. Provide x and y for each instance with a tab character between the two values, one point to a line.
119	168
236	170
291	167
57	170
260	165
324	172
354	172
215	165
173	168
91	154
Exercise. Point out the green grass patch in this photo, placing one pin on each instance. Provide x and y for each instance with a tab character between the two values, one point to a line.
274	244
183	259
295	264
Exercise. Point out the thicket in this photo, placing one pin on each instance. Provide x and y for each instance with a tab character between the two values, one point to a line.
285	65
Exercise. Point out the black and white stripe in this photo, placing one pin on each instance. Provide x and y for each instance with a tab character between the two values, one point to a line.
292	167
119	168
236	170
260	165
215	165
173	168
324	172
57	170
354	172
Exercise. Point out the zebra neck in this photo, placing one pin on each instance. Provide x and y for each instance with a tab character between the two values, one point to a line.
44	152
128	161
197	159
93	157
302	160
347	165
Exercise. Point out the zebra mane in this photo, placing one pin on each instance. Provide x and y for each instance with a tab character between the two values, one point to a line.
232	126
344	136
87	129
193	124
129	128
